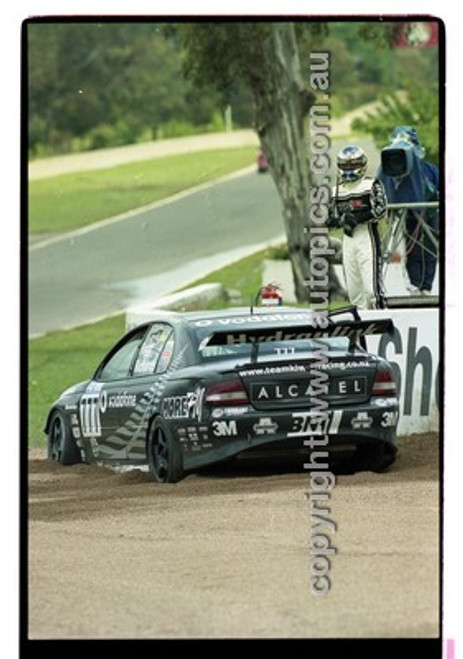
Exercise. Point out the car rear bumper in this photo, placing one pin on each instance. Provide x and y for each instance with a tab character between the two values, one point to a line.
290	433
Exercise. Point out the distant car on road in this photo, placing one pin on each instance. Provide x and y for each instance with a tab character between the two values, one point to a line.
187	390
262	164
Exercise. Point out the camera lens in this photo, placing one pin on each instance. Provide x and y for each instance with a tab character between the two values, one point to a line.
394	162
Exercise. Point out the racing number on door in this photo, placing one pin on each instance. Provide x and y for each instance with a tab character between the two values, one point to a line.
91	405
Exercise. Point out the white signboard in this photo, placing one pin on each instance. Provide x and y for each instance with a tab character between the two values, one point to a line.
413	351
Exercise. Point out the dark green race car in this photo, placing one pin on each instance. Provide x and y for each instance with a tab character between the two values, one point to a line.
187	390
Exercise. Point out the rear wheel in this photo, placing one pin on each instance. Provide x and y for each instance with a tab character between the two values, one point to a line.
61	444
164	453
374	458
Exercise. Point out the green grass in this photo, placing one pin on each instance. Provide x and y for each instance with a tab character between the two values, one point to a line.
61	359
72	201
244	277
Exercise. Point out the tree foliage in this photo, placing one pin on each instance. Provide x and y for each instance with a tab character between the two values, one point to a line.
419	108
93	83
107	82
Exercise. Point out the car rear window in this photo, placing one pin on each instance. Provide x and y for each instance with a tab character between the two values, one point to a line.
292	349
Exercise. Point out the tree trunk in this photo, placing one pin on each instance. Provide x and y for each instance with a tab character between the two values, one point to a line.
282	102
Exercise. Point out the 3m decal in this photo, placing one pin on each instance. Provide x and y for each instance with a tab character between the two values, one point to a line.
224	428
389	419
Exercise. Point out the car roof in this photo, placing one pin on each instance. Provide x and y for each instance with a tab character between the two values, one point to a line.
245	314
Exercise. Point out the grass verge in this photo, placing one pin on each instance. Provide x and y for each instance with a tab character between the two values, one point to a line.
61	359
72	201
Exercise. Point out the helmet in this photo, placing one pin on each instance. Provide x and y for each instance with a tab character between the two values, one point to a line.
352	164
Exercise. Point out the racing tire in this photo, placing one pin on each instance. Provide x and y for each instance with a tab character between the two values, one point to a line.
165	459
61	445
383	464
376	460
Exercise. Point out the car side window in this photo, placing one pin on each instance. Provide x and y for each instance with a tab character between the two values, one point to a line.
166	355
119	364
155	351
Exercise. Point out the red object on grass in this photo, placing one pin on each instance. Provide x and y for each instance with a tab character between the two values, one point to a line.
270	295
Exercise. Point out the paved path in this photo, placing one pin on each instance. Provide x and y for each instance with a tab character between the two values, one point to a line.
102	158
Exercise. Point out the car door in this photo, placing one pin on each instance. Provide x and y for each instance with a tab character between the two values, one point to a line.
99	405
144	386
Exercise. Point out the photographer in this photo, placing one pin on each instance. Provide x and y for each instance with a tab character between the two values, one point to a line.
358	203
409	179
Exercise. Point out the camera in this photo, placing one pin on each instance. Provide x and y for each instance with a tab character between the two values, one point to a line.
403	154
397	160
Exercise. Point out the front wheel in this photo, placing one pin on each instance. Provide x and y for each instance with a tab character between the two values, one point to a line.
61	444
164	453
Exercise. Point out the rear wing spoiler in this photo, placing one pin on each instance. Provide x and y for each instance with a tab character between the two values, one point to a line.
355	330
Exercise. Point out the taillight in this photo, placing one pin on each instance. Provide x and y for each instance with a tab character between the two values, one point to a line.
384	384
226	393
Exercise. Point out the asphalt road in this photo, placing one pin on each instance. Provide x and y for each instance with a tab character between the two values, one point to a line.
101	271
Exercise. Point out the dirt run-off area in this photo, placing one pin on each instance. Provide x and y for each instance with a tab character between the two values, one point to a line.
226	554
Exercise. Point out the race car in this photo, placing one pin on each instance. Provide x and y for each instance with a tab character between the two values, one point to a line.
188	390
262	163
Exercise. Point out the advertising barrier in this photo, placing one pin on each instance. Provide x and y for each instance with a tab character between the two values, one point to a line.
414	352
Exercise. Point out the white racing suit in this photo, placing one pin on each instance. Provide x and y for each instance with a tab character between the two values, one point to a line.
356	208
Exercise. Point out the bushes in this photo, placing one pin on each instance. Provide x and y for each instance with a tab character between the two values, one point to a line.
419	107
105	136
